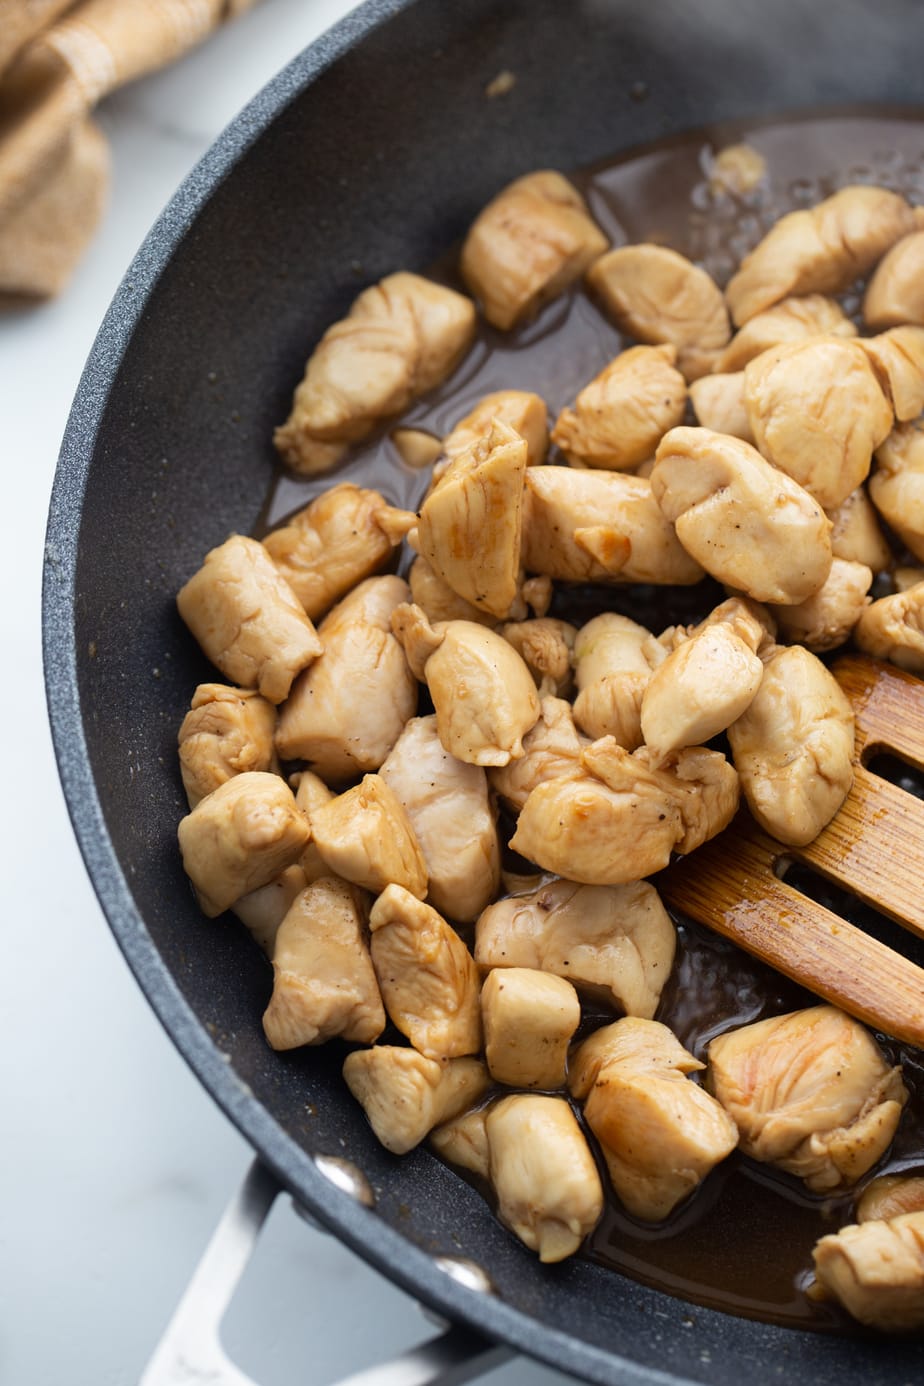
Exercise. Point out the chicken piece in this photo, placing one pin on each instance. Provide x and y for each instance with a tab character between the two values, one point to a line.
529	1020
404	1094
905	576
895	292
331	545
897	357
437	599
613	660
792	320
416	447
240	837
817	412
749	524
548	1190
323	981
594	526
348	710
247	619
892	628
856	534
366	837
621	416
826	620
655	295
876	1271
737	170
225	732
450	810
890	1196
719	404
528	246
551	749
750	620
545	645
896	486
521	410
794	746
428	978
810	1093
464	1142
401	338
615	944
311	793
819	250
262	911
633	1043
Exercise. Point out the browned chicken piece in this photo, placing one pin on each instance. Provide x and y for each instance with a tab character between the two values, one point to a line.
323	981
347	711
613	660
546	1182
856	533
551	749
437	600
404	1094
810	1092
660	1134
794	746
528	246
594	526
453	819
311	793
719	404
545	644
826	620
897	357
615	944
427	976
365	836
892	628
529	1021
621	416
817	411
226	731
240	837
247	619
890	1196
752	621
401	338
521	410
416	447
876	1271
895	292
819	250
262	911
656	295
792	320
737	170
463	1142
748	524
896	486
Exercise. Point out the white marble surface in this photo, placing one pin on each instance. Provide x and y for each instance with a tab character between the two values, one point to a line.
114	1162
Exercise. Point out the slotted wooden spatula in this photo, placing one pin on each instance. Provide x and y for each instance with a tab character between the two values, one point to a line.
873	847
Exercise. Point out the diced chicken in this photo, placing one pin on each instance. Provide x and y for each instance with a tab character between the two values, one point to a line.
856	534
897	357
635	1042
905	576
748	524
527	246
751	621
464	1142
621	416
416	447
545	644
401	338
896	486
311	793
437	599
890	1196
613	660
404	1094
794	746
247	619
225	732
366	837
719	403
876	1271
547	1186
792	320
895	292
826	620
893	628
656	295
810	1092
347	711
737	170
427	976
529	1021
262	911
521	410
551	749
240	837
323	981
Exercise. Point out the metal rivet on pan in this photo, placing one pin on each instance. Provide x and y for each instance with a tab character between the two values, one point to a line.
347	1177
465	1272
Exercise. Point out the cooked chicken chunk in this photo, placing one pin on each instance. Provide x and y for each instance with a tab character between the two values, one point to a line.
547	1186
347	711
545	644
621	416
905	576
404	1094
311	793
876	1271
719	404
792	320
529	1020
247	619
437	600
810	1092
521	410
893	628
656	295
401	338
895	292
613	660
738	170
366	837
896	486
826	620
416	447
323	981
794	746
452	816
463	1141
527	246
427	976
746	522
262	911
551	749
635	1042
856	534
226	731
897	357
890	1196
240	837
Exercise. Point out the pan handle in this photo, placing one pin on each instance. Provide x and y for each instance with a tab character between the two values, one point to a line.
190	1352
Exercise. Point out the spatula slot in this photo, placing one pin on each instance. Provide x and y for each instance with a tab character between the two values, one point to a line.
896	770
815	886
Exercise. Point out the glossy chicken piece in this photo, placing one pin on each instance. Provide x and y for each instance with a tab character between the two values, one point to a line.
404	1094
544	1176
323	981
896	486
527	246
856	534
401	338
794	746
890	1196
792	320
615	944
747	523
521	410
737	170
450	810
311	793
897	357
345	714
428	978
703	784
262	911
893	628
810	1092
895	292
905	576
551	749
240	837
876	1271
719	404
463	1142
819	250
656	295
529	1021
416	447
545	645
614	658
437	600
619	418
226	731
366	837
825	621
247	619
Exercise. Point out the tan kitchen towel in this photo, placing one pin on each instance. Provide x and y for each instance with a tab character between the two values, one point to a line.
58	59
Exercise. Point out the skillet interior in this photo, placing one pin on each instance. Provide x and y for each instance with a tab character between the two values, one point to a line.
371	152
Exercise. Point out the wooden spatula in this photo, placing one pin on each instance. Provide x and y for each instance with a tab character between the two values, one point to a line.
874	848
